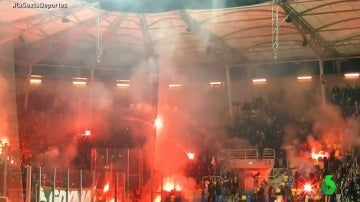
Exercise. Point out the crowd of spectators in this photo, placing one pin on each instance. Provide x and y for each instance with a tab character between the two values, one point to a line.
51	123
261	122
347	98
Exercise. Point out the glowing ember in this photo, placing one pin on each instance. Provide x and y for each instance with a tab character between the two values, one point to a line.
307	187
190	155
158	123
106	188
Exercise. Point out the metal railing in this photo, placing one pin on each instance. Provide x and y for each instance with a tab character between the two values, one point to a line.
249	154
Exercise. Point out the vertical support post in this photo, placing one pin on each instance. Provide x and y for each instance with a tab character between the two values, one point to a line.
93	172
67	184
152	185
155	81
28	184
154	73
80	185
228	89
116	186
275	28
107	159
93	184
27	90
162	188
98	36
139	170
92	73
322	81
6	155
54	184
123	186
39	186
128	174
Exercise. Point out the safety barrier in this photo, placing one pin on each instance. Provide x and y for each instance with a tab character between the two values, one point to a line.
248	154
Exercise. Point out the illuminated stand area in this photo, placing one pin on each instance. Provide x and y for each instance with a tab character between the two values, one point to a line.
115	173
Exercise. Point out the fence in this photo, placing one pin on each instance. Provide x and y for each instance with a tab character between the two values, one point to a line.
248	154
50	185
114	175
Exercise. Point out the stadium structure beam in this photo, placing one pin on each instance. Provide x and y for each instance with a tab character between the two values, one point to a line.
34	55
146	36
40	19
293	61
317	43
322	81
115	68
229	91
55	35
111	31
326	4
219	42
26	100
154	72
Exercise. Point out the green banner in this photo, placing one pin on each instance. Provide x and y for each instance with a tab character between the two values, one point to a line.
47	194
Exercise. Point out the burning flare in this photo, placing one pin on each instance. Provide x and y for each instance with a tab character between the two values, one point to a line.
170	185
307	187
106	187
158	123
190	155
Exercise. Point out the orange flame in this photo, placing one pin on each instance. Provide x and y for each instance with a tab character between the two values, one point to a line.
170	185
320	154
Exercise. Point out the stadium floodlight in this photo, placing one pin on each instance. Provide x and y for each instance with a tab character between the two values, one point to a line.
259	80
304	78
215	83
35	79
78	81
352	75
174	85
123	83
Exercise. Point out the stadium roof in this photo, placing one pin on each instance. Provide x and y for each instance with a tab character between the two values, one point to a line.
89	35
